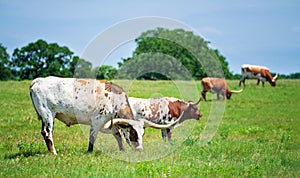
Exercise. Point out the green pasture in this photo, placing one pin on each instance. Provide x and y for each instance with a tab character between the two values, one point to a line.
258	136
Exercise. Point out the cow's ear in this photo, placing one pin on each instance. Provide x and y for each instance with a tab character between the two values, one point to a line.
195	103
184	107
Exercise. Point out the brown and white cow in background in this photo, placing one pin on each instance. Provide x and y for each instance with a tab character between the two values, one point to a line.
259	72
86	101
164	110
216	85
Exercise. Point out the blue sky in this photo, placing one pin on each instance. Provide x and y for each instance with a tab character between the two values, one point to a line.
245	32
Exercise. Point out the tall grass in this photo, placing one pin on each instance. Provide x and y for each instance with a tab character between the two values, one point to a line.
259	136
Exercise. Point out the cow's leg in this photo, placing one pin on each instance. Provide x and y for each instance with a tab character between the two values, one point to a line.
218	96
47	118
242	80
118	137
97	124
204	95
262	81
223	93
126	135
164	134
115	130
117	133
93	135
169	132
47	128
258	82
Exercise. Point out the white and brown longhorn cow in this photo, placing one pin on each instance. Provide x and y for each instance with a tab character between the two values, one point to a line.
216	85
259	72
86	101
164	110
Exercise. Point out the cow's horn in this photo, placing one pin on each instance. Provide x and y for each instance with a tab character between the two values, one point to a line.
196	102
275	77
118	121
237	91
159	126
122	121
146	123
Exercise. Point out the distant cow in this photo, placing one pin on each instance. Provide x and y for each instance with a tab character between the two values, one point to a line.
164	111
261	73
216	85
86	101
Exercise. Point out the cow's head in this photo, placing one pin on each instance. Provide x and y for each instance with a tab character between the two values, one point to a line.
273	80
192	110
230	92
133	131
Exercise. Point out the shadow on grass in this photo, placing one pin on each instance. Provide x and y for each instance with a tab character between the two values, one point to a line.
25	154
211	100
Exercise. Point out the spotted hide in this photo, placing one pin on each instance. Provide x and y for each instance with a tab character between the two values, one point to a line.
84	101
163	111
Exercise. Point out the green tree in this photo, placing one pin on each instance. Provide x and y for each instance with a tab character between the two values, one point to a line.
160	45
5	71
224	64
82	69
106	72
294	75
40	59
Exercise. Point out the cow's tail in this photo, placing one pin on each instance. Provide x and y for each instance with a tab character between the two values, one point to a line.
32	98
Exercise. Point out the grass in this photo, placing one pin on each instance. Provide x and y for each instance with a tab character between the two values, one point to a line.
258	136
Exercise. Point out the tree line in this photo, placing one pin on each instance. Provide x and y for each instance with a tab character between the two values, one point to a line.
42	59
161	54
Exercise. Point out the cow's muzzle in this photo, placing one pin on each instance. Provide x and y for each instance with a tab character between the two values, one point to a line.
137	146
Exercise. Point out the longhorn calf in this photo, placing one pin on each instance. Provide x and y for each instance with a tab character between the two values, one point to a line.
216	85
259	72
85	101
164	110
